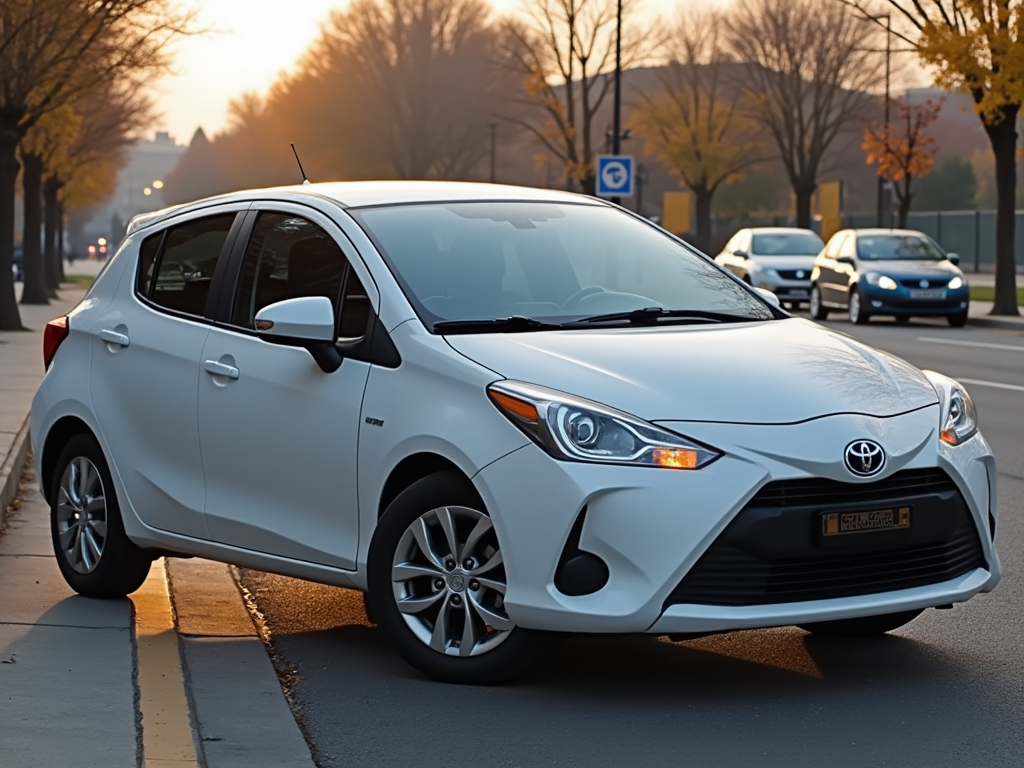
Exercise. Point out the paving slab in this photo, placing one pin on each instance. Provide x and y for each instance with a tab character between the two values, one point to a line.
29	534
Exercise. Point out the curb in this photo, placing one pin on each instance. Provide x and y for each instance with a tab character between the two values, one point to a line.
996	322
11	469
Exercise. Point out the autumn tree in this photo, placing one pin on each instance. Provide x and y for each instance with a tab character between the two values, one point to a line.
904	152
563	52
52	50
694	122
806	68
977	46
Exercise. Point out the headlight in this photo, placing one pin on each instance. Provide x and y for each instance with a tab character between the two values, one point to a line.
959	420
574	429
956	282
771	274
882	281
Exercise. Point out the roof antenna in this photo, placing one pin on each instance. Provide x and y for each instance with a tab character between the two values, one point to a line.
304	179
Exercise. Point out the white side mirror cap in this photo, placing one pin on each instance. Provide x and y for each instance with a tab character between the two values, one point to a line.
310	318
769	296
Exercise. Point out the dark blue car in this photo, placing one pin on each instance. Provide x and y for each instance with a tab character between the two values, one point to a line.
895	272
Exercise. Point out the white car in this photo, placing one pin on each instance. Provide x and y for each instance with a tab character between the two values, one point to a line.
778	259
503	413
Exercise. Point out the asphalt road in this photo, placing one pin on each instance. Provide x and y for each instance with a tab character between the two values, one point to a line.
947	690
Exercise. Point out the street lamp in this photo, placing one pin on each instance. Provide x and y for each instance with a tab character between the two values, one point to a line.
494	128
878	18
617	108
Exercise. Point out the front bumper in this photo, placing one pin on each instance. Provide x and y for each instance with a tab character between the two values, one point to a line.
789	290
902	302
650	526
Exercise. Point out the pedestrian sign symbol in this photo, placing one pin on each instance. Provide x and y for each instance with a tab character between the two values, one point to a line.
615	176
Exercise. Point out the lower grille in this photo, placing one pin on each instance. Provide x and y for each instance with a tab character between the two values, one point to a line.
791	274
773	552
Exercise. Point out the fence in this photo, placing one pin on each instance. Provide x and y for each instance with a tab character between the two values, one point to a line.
971	234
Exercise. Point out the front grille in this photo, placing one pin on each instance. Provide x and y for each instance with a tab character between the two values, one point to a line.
791	274
772	552
915	282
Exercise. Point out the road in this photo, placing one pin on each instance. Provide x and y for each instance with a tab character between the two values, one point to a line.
947	690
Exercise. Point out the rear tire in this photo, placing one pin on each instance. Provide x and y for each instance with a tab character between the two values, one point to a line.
864	626
816	308
95	556
958	320
436	553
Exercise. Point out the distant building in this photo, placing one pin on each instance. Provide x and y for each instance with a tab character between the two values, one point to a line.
140	185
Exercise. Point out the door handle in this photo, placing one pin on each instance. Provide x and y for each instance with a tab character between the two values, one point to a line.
113	337
220	369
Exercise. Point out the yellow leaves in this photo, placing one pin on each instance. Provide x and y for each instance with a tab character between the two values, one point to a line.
53	136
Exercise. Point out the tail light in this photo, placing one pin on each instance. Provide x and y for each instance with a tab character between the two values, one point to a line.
55	332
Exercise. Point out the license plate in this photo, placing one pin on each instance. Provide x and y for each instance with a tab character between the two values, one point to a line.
840	523
930	293
797	293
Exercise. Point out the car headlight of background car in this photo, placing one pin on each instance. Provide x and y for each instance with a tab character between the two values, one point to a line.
959	418
882	281
575	429
762	273
956	283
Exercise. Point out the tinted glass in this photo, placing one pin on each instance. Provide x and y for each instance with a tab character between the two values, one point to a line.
470	261
898	247
288	257
148	252
187	261
787	244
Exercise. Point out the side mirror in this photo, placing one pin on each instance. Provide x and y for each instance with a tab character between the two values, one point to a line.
845	260
307	322
770	297
741	253
953	258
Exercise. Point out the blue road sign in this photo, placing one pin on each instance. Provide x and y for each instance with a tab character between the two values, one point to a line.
615	175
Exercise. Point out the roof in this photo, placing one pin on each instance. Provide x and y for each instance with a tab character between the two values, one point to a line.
358	194
780	230
885	231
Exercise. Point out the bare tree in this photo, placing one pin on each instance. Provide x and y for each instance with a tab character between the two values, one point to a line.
52	50
564	52
694	121
806	68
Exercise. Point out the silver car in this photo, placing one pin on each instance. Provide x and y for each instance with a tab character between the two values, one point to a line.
779	259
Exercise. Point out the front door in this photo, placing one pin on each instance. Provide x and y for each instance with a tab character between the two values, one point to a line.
146	347
278	435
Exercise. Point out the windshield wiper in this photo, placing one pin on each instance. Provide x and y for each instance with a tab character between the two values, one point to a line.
648	314
512	324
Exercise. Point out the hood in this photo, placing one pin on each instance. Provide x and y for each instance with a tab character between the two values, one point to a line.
903	268
774	372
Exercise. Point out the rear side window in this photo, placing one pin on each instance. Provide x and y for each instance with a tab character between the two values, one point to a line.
176	266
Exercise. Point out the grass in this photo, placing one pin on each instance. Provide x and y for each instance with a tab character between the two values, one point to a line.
83	280
988	293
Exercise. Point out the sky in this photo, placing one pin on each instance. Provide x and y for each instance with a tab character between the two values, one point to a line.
249	43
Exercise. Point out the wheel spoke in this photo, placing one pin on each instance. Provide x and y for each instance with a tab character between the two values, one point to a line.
470	635
73	484
483	525
86	477
406	571
490	565
444	517
67	537
490	618
497	586
441	635
95	548
415	605
99	527
94	504
422	535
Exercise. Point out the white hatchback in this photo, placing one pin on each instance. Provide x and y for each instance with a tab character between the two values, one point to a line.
502	413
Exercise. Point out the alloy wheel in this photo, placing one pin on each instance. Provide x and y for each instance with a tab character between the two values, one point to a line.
854	307
815	303
82	515
449	583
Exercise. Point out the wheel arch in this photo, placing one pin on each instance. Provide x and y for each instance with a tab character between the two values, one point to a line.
408	471
57	437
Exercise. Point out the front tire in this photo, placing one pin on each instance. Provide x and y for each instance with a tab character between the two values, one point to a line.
864	626
95	556
858	315
816	308
958	320
437	585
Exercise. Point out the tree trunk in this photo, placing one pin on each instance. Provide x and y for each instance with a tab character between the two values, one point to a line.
804	193
702	202
1003	137
60	238
10	318
904	208
35	291
51	253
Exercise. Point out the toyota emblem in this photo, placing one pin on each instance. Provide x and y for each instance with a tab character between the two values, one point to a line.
864	458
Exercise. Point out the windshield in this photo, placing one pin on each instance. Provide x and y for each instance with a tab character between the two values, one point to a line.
552	262
787	244
898	247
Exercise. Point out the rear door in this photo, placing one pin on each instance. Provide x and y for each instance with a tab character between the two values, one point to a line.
278	435
828	275
146	349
